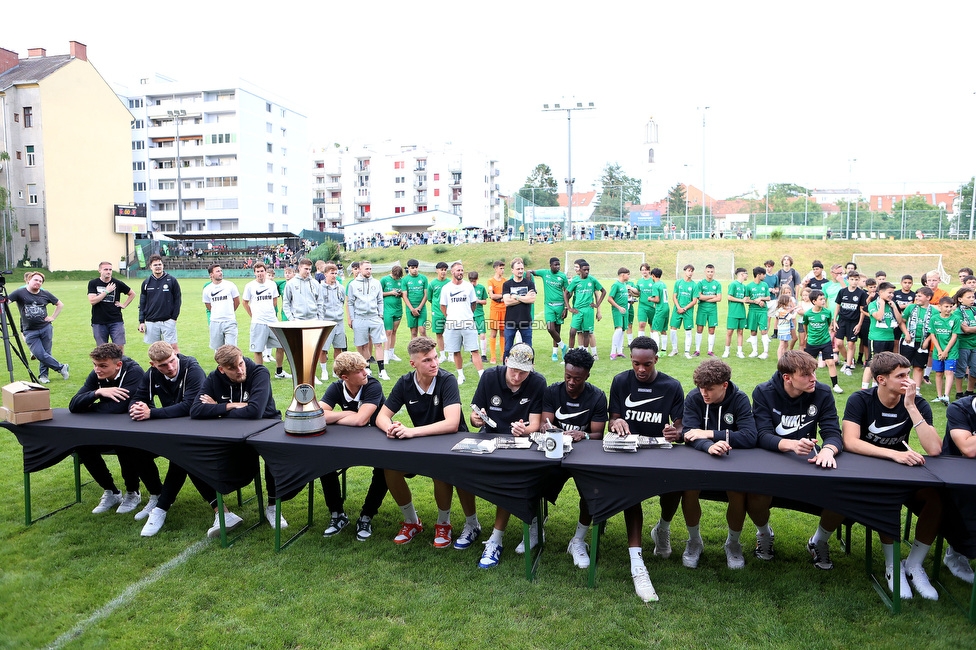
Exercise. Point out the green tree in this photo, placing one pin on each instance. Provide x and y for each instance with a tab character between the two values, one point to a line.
967	196
544	185
676	200
618	189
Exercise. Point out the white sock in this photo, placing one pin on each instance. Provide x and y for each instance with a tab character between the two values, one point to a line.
711	342
460	374
325	369
555	350
821	536
481	372
409	513
673	335
472	520
582	528
752	342
733	537
497	536
656	337
663	526
694	533
444	516
687	341
765	342
764	530
739	349
698	338
636	558
917	555
889	554
630	338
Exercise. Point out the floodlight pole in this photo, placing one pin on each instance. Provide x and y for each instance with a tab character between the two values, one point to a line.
573	106
972	209
177	115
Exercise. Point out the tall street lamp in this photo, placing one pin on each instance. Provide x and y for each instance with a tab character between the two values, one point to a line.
178	115
569	108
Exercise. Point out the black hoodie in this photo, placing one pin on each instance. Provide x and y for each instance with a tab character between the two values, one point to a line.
256	391
733	414
780	416
85	400
175	395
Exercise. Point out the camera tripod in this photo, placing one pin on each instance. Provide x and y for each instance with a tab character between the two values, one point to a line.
9	330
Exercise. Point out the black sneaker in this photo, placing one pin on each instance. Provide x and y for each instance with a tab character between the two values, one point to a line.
364	529
336	524
372	360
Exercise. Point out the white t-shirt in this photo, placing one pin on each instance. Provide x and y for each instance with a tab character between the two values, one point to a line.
458	298
260	300
220	297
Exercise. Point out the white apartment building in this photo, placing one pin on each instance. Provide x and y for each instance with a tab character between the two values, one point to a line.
358	184
217	158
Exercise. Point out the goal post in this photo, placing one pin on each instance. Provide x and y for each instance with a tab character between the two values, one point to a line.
603	264
896	266
722	260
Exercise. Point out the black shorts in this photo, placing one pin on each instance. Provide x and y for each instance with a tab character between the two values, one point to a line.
827	350
919	358
845	330
882	346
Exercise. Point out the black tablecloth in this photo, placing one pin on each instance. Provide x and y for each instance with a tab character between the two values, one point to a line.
868	490
213	450
959	500
509	478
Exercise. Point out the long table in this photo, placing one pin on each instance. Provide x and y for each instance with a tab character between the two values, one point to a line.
868	490
213	450
512	479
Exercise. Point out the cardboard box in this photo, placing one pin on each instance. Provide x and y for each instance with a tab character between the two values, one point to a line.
25	416
23	396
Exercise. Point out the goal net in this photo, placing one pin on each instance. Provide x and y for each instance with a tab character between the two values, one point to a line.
604	265
896	266
723	261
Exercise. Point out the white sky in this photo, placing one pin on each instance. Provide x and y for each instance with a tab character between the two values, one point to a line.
795	90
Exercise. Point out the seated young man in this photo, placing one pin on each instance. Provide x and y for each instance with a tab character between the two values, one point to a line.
239	388
108	389
511	395
789	408
866	431
433	404
359	398
580	409
646	402
960	440
717	418
175	380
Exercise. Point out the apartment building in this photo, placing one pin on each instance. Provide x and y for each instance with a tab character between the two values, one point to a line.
211	158
366	182
67	137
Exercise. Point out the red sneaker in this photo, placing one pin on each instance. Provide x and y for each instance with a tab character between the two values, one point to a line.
407	532
442	536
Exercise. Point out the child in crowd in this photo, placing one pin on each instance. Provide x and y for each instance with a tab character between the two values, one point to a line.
785	322
914	346
804	306
942	342
966	312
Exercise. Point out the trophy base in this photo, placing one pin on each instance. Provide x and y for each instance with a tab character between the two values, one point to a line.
305	423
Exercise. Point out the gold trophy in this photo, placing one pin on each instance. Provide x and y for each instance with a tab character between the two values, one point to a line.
302	341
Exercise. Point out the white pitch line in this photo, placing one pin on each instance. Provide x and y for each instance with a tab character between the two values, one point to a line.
126	595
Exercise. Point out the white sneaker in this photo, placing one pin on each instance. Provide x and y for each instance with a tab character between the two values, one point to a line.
662	541
763	356
920	582
579	550
740	355
533	538
231	521
267	358
642	584
384	376
460	379
442	358
64	371
847	371
282	375
130	501
157	517
269	514
958	565
692	554
687	355
753	354
906	590
734	556
394	357
725	355
108	501
318	382
142	514
837	389
674	353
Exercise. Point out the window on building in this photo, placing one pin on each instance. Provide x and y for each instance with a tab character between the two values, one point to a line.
18	155
398	164
138	144
270	148
32	194
400	179
399	194
30	155
17	117
267	106
284	190
222	181
138	124
283	131
271	208
284	209
166	185
437	191
223	138
35	232
28	117
271	188
399	210
284	171
135	103
270	168
138	187
139	166
282	112
437	177
284	152
268	127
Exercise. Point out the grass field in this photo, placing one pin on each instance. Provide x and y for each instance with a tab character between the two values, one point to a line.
83	580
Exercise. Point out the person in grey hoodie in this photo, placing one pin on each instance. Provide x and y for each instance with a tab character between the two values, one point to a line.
303	296
718	418
364	299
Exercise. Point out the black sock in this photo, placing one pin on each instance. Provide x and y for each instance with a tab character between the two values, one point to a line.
380	364
279	370
833	381
959	396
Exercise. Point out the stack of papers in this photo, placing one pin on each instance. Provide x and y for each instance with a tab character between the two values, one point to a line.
649	442
613	442
513	443
476	446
